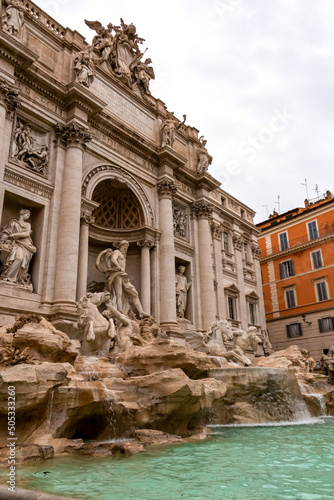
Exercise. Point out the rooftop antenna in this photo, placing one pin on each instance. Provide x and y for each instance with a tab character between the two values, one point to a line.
305	184
316	189
267	210
278	203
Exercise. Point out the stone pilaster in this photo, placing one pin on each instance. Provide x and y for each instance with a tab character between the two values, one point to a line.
166	190
238	243
73	138
203	211
217	231
145	273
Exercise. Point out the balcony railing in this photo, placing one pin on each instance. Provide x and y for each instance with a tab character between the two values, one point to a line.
324	231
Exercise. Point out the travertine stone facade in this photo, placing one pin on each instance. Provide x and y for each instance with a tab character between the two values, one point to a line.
96	159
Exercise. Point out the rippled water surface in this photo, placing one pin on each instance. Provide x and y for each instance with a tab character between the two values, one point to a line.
250	462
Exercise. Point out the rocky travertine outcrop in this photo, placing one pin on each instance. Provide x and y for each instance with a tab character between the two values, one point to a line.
162	354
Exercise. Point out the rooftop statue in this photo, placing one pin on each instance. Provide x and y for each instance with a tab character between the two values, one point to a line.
168	128
118	46
204	159
84	66
13	17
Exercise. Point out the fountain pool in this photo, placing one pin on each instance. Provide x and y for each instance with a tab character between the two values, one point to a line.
254	462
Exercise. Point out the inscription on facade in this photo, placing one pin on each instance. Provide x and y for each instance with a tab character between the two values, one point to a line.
42	101
122	149
124	109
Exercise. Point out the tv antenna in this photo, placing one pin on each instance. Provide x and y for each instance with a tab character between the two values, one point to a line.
316	189
305	184
278	203
267	210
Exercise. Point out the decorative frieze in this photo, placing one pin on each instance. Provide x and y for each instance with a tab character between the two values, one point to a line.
166	188
30	147
73	135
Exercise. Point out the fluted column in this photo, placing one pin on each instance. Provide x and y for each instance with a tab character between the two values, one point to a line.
73	138
166	191
145	274
217	231
203	212
85	221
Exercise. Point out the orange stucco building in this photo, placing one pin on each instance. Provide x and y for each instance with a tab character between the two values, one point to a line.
297	266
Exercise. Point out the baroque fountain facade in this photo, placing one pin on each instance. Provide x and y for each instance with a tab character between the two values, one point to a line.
136	277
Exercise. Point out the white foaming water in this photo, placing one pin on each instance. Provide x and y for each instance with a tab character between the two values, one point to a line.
304	421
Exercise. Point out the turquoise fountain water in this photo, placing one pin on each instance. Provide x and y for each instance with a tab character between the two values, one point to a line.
236	462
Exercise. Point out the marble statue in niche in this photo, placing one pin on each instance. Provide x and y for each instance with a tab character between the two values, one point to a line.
113	264
17	250
168	129
182	287
26	150
84	66
180	222
13	17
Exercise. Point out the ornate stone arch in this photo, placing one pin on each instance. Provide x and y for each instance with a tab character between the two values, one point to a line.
102	172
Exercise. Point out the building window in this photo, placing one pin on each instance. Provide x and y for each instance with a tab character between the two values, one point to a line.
252	313
290	299
317	259
231	308
313	230
242	213
326	324
223	201
322	293
294	330
283	241
286	269
226	242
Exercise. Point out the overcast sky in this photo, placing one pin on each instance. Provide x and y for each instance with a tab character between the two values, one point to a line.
256	77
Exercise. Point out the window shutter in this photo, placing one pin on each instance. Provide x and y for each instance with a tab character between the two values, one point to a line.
321	329
288	330
332	319
292	270
281	271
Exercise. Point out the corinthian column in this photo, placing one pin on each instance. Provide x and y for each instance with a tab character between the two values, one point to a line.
86	220
145	274
166	191
203	212
73	138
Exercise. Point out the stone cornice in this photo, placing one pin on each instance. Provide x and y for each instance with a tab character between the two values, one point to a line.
27	183
131	235
298	248
168	156
15	51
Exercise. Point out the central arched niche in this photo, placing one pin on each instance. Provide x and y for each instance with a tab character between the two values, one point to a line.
119	207
119	211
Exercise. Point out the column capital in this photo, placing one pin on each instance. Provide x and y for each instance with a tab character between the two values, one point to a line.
146	243
217	230
202	209
73	135
87	218
166	188
9	95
